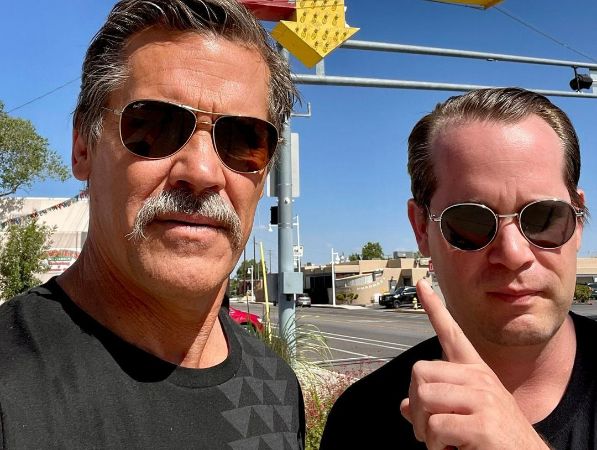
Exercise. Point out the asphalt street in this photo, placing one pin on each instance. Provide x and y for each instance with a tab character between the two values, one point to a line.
363	339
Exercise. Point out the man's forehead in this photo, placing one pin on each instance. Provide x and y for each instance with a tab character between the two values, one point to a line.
476	152
472	134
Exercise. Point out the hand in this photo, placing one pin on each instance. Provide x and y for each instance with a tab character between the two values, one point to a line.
461	402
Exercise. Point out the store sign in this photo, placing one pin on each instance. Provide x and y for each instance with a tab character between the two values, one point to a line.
61	259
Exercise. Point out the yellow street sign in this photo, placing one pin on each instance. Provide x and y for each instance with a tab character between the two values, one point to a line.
317	28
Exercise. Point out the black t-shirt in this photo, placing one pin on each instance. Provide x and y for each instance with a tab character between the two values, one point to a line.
67	382
375	402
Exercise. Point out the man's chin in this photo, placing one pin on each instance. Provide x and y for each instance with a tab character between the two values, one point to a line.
522	332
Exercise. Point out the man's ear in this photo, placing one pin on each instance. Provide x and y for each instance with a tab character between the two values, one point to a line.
580	223
81	157
418	221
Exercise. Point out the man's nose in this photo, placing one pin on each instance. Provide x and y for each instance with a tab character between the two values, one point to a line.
510	248
197	166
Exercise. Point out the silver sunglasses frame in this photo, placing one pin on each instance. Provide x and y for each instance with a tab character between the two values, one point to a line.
577	213
194	111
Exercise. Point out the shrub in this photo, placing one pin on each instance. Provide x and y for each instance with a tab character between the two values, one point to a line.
23	256
320	395
582	293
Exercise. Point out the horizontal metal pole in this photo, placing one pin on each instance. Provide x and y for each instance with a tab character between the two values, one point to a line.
422	85
436	51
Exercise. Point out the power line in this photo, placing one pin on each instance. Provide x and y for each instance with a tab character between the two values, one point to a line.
522	22
542	33
44	95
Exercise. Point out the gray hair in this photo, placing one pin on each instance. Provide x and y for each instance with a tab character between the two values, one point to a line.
104	68
207	204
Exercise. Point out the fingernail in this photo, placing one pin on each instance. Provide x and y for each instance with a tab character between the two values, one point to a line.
424	284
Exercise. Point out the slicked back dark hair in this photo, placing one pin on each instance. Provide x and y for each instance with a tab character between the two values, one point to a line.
506	105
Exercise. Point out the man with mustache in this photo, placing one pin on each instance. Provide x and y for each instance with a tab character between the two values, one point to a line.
496	204
176	124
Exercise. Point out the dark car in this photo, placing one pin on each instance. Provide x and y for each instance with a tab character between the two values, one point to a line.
400	296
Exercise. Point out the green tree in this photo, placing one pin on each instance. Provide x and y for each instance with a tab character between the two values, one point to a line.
25	156
372	250
242	272
354	257
23	256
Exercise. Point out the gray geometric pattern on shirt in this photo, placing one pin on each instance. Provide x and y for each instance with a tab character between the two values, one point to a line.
239	418
266	413
274	441
255	344
270	365
257	387
285	413
246	444
248	362
233	389
277	388
257	400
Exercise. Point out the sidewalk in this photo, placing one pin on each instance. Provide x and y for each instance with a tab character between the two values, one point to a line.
352	307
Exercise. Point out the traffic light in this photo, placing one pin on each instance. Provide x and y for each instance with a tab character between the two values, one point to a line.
581	81
273	215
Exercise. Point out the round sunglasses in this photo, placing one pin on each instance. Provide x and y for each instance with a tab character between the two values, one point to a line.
156	129
547	224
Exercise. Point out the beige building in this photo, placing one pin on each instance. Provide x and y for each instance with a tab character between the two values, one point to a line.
369	279
68	216
364	281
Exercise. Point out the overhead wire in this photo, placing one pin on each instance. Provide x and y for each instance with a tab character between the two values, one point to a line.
44	95
522	22
497	8
542	33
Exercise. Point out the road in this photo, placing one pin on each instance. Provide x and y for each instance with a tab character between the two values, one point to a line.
361	340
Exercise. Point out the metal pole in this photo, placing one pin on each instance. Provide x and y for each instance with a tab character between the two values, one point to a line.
254	256
298	241
252	287
333	280
437	51
422	85
286	316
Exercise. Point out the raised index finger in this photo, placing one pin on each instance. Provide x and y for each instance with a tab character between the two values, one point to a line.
455	344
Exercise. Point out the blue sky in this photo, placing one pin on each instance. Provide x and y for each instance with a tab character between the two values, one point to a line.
354	184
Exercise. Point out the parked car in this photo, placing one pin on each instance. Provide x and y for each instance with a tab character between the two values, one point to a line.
400	296
247	320
303	300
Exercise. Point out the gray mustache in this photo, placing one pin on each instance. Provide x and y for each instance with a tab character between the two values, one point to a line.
181	201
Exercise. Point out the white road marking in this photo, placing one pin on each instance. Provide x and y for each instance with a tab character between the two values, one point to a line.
365	341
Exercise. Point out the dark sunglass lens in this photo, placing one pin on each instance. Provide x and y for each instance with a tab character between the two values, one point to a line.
245	144
155	129
468	227
548	223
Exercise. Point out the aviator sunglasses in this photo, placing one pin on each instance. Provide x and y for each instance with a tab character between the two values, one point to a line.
156	129
546	224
